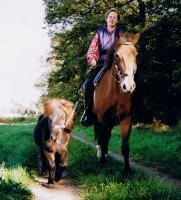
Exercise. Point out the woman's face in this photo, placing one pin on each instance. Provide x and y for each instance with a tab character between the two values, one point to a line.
112	19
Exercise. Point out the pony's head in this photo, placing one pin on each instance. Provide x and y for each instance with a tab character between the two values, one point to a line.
125	61
62	116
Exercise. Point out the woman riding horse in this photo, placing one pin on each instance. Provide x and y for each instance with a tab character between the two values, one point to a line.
113	60
113	97
96	58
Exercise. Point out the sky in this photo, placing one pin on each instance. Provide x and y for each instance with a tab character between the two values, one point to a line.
23	43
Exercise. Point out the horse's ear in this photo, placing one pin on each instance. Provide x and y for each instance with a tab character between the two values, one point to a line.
122	35
134	39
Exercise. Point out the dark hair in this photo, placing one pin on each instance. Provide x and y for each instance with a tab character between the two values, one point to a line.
112	10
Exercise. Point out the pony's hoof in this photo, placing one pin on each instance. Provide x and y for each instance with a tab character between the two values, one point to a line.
57	179
43	173
50	182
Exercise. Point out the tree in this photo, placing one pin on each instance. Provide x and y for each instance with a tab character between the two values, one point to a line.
72	23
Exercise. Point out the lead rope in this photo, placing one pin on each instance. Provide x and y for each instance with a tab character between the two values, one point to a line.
73	111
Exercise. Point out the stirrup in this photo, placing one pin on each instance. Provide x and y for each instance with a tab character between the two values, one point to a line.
86	119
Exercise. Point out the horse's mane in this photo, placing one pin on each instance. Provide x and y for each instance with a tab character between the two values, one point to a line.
120	40
60	111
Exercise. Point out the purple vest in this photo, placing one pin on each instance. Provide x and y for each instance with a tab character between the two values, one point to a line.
106	42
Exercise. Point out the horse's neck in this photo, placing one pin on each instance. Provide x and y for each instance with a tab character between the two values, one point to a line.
107	87
112	85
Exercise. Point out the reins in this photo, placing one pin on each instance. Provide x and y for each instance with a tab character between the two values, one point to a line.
119	75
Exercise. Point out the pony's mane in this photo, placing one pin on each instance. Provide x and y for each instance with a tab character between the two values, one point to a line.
59	111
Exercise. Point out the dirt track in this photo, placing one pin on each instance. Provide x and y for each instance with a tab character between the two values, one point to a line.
63	190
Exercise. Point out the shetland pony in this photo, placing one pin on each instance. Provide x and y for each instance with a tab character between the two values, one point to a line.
113	98
52	135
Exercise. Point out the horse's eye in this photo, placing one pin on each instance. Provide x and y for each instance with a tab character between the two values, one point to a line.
117	57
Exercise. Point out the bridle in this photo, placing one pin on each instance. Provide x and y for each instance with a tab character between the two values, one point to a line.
118	76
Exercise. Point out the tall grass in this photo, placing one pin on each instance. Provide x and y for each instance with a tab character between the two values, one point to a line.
157	149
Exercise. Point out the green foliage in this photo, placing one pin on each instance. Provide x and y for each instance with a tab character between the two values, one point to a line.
73	23
160	150
158	73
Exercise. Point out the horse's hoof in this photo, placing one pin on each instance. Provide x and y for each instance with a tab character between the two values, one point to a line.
127	173
101	164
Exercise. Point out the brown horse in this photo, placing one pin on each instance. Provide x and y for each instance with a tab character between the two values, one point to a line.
52	135
113	97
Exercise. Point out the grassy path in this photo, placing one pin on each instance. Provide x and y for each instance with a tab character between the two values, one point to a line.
148	170
160	150
108	183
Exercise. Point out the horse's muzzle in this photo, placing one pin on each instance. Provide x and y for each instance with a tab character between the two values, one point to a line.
128	84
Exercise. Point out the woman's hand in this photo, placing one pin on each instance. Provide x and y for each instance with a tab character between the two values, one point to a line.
93	64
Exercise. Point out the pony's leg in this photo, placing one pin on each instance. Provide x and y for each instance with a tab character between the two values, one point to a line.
51	166
125	133
61	164
44	166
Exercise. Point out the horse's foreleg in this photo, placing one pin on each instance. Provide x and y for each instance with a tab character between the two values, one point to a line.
103	142
101	147
51	166
125	133
107	141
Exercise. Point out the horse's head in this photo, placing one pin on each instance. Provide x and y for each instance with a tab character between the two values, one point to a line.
125	62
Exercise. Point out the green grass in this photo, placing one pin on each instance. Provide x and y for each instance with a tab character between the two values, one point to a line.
18	158
108	183
157	149
17	162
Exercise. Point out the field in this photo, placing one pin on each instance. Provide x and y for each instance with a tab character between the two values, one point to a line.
18	158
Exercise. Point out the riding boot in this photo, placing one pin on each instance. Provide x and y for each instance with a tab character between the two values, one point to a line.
87	117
